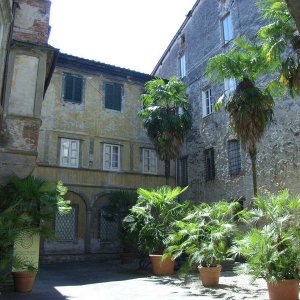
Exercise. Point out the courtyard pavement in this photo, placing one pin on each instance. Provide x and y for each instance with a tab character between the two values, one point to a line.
111	280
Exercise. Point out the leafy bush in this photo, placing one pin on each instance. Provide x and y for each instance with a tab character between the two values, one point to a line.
153	216
204	234
271	247
27	205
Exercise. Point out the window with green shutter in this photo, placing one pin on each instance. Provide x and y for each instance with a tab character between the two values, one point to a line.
113	96
73	87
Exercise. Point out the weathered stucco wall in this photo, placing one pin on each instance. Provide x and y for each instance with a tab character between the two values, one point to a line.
90	120
25	72
278	152
93	125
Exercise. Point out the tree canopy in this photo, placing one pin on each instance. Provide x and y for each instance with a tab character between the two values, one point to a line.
166	117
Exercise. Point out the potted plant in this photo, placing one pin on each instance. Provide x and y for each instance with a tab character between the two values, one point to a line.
11	224
204	235
151	219
35	201
119	203
271	247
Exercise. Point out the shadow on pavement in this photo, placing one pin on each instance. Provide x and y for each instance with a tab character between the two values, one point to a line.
52	276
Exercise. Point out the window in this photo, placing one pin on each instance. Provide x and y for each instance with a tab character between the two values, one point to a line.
209	164
111	157
234	157
207	102
227	28
66	225
69	153
229	86
113	96
182	172
108	229
149	161
182	68
73	86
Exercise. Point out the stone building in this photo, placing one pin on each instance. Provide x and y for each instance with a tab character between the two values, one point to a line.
216	166
92	140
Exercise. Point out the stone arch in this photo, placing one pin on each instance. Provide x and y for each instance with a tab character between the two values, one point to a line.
81	210
98	245
82	195
70	229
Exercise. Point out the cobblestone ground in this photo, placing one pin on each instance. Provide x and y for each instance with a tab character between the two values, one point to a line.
113	281
231	287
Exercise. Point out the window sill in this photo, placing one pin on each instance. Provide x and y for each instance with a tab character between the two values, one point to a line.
227	43
113	110
112	170
149	173
69	167
71	102
203	117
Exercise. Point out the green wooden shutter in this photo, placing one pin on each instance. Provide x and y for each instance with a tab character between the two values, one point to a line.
113	96
68	84
117	96
108	95
78	84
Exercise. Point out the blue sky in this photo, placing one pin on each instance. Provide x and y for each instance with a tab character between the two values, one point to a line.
126	33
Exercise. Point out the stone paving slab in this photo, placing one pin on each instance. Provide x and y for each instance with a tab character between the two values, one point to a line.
113	281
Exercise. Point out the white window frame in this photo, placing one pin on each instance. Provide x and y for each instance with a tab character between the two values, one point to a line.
108	158
207	103
182	66
229	86
69	152
227	27
152	161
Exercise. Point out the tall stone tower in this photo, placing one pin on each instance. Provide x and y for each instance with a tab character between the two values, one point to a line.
29	63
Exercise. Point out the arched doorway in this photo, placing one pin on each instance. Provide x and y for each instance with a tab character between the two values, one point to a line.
70	229
105	235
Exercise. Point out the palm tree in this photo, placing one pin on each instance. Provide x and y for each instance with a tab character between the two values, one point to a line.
250	108
278	38
166	117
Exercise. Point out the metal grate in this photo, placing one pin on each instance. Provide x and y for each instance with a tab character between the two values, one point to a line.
182	172
108	230
209	164
234	157
65	226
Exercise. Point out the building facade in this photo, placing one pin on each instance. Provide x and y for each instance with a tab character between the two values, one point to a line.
217	168
70	119
92	140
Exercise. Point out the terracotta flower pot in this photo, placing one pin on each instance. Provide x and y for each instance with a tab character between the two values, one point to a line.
210	276
284	290
160	268
23	281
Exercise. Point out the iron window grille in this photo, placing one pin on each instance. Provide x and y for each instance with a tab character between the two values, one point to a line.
66	225
209	158
234	157
182	172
